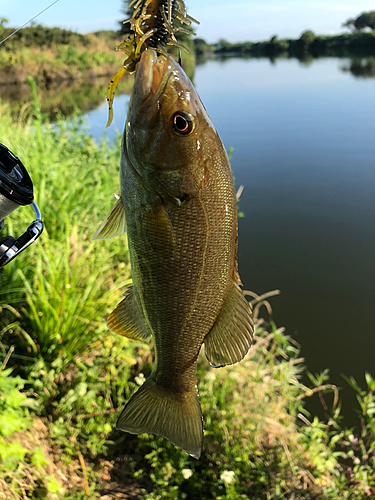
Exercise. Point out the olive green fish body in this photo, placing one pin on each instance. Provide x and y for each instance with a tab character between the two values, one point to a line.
180	208
183	262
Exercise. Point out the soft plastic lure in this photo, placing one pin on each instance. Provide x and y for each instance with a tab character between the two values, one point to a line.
153	25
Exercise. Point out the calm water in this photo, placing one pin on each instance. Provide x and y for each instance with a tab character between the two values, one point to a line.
304	148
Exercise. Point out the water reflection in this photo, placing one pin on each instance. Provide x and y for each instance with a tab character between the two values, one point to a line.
361	67
62	98
358	67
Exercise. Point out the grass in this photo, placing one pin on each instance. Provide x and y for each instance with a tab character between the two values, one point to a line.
56	283
64	377
50	54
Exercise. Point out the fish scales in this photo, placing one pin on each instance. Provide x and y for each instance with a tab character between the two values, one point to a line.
178	199
182	292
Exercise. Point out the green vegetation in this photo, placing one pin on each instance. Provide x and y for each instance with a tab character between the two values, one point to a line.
363	21
56	55
64	377
53	54
308	45
40	36
359	43
70	61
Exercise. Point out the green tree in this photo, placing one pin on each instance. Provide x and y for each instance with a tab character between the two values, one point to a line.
307	38
200	46
364	20
305	42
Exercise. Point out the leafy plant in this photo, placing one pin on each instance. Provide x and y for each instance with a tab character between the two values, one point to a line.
21	468
13	404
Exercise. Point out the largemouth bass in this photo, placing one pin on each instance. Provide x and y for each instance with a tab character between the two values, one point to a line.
179	203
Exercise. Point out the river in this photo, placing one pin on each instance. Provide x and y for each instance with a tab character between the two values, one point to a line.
304	149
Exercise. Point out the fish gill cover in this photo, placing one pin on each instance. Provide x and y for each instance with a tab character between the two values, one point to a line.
153	24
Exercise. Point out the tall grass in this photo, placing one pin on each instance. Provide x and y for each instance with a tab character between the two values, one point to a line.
61	288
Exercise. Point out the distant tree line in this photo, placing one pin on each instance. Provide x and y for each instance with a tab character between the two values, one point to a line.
360	42
308	44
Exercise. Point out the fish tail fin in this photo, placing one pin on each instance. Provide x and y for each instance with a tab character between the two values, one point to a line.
176	417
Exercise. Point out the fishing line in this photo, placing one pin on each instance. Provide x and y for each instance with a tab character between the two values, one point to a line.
29	21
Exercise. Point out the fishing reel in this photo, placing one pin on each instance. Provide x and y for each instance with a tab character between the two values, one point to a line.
16	189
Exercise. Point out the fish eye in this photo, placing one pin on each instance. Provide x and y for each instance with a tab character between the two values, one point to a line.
182	123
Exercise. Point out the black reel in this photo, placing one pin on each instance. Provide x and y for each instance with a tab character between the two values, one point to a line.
16	189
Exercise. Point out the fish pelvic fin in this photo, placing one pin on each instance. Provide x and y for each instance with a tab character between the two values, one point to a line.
126	319
174	416
232	333
114	224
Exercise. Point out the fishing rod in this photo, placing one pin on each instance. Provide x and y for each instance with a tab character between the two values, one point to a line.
16	189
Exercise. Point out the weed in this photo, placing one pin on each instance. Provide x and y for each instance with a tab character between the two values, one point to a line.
21	469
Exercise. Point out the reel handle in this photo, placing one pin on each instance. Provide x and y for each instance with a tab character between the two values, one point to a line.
10	247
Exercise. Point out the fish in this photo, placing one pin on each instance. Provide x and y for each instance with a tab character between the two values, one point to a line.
178	205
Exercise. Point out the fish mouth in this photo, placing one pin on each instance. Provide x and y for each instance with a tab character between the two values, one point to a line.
153	75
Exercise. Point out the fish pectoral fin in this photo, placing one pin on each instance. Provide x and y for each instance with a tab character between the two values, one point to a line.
126	319
174	416
232	333
114	224
159	226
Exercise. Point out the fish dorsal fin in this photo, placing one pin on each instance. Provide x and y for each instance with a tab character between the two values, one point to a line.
232	333
126	319
114	224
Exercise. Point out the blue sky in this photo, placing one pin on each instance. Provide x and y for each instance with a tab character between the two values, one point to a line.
230	19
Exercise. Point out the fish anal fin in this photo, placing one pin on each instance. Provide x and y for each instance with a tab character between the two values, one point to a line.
232	333
126	319
176	417
114	224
